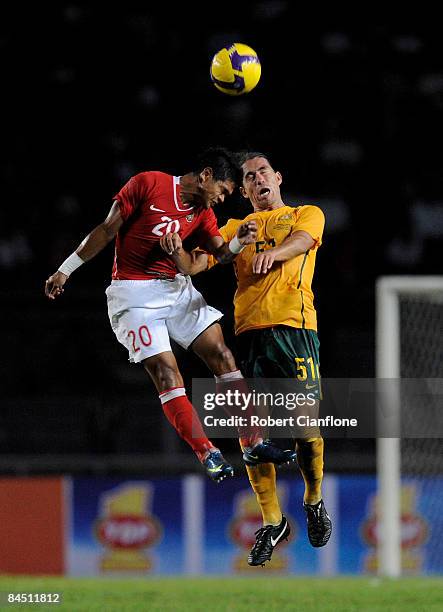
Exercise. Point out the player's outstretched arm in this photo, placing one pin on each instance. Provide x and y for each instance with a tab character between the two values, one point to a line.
225	252
90	246
187	263
299	242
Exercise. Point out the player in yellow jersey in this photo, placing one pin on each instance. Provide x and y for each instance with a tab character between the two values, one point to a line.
276	327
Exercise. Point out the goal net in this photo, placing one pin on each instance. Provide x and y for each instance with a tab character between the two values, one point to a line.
409	346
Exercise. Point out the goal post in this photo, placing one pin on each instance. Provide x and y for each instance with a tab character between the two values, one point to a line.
389	330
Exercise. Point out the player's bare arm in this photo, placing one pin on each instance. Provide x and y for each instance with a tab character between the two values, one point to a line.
89	247
197	261
226	252
187	263
299	242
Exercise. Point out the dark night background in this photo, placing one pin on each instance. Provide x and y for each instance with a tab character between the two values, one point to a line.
351	116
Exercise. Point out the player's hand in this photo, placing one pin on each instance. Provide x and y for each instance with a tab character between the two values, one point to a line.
263	262
247	232
54	285
171	243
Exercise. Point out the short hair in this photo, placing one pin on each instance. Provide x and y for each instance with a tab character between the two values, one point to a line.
244	156
223	163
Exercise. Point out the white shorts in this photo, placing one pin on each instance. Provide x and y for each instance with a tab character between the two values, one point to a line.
144	314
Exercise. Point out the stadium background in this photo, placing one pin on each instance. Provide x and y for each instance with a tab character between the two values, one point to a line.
352	117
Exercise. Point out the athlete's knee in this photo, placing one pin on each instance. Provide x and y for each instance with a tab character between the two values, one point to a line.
223	357
165	375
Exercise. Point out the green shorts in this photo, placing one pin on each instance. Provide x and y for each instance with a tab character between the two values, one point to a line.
281	352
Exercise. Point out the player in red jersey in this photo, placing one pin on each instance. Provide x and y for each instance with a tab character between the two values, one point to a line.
150	302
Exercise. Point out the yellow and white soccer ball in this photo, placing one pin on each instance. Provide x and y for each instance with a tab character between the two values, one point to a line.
235	70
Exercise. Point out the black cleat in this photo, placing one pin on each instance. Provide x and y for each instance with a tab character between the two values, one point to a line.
267	452
319	524
217	468
266	540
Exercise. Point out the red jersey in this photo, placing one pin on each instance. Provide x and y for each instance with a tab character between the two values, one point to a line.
151	206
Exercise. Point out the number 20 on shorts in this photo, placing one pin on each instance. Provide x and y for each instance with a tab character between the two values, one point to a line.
142	336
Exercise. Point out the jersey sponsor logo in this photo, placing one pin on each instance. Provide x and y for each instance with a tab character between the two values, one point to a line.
152	207
285	217
282	226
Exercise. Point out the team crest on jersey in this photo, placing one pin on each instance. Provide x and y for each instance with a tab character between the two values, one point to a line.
189	217
283	226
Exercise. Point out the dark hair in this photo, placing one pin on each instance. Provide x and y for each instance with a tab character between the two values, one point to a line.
244	156
223	163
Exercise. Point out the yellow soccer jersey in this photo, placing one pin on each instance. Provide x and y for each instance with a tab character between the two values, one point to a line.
283	296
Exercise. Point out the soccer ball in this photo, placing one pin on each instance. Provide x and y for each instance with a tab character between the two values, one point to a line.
235	70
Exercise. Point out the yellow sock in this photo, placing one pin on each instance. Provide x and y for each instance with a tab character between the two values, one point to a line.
263	481
310	462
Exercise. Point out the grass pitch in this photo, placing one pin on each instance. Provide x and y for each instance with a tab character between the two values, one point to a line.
230	594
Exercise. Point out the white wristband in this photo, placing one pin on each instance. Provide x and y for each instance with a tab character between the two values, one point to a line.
235	246
72	263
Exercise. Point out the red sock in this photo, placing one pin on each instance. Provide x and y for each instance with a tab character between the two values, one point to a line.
249	435
182	415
